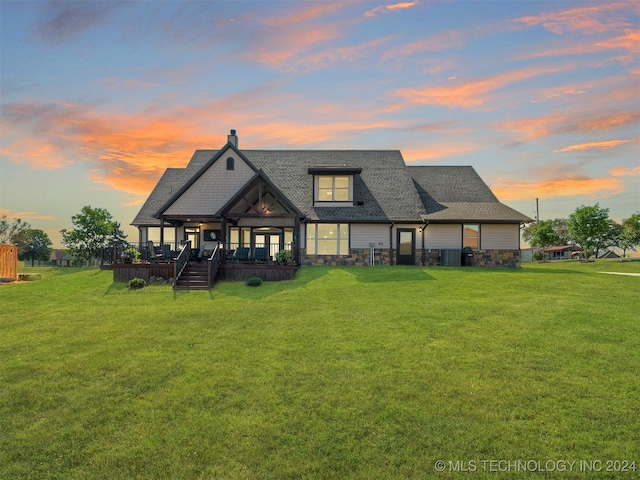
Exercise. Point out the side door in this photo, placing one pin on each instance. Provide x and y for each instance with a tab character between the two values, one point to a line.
406	246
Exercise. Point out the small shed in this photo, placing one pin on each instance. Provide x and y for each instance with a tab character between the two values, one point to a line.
8	263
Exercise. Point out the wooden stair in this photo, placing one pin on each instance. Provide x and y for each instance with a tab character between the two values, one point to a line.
194	277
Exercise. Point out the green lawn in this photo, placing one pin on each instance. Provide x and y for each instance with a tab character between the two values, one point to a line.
356	372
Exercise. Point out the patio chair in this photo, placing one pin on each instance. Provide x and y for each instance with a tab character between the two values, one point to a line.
241	254
153	254
260	254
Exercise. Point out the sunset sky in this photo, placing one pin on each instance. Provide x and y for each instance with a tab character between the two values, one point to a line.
98	98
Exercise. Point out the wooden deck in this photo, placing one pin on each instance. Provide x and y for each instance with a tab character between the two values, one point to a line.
123	272
269	272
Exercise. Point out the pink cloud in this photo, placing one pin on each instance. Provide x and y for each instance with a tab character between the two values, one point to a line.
24	215
436	152
620	171
588	19
391	8
129	152
571	122
565	186
603	145
466	94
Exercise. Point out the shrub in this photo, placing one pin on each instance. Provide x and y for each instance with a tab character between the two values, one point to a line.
539	256
283	257
136	283
133	254
254	281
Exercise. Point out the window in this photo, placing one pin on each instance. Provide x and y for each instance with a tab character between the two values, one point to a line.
239	237
471	236
334	188
328	239
230	163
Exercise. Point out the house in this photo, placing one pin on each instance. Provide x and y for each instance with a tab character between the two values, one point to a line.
329	207
561	252
61	258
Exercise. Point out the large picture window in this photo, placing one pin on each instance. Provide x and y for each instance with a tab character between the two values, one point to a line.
328	239
334	188
471	236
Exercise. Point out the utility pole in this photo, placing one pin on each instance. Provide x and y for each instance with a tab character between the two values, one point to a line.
537	211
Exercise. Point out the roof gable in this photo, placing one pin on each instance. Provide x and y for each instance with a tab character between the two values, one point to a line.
210	186
259	198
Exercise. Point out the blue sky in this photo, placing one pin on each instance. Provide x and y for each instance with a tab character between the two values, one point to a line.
98	98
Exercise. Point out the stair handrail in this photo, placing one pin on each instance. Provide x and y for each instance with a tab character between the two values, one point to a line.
213	264
180	262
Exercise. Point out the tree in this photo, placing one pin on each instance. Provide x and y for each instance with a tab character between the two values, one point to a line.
611	238
586	227
94	229
560	227
33	245
630	234
541	234
9	231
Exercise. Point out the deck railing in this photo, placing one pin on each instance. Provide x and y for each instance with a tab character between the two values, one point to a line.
181	260
256	252
152	252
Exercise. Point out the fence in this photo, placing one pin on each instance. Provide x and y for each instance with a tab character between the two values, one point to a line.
8	262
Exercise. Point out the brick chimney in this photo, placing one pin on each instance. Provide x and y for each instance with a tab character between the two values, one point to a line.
232	138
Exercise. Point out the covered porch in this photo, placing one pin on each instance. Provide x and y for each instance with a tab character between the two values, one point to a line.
255	233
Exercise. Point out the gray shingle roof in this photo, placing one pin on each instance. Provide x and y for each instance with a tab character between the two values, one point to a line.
459	194
384	186
385	190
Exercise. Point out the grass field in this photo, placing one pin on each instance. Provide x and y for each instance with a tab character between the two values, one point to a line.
358	373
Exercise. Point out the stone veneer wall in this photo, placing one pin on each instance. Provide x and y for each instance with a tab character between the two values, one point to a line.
357	256
483	258
497	258
360	257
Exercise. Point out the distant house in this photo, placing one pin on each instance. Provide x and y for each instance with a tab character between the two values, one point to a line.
609	254
60	258
329	207
560	252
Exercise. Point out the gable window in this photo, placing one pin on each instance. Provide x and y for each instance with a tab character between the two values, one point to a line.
333	185
328	239
333	188
230	163
471	236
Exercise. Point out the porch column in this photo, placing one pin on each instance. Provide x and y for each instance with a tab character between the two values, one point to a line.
296	241
223	237
161	230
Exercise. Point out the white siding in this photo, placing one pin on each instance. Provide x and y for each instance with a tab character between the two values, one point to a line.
443	236
499	237
214	188
364	234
